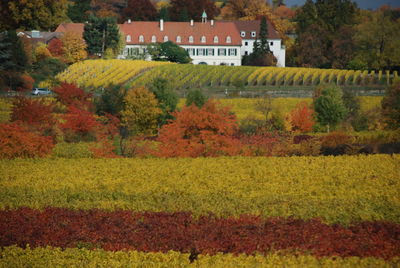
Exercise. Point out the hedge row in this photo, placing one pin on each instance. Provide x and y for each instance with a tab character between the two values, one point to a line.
181	232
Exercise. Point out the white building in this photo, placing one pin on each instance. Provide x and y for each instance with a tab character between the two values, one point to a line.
207	42
249	32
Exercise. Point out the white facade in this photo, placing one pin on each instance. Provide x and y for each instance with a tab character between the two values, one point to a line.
275	45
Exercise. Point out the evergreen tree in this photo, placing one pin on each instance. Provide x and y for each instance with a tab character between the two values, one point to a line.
184	15
78	10
100	34
264	46
12	52
164	14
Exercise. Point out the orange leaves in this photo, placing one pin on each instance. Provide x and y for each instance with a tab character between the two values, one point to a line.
206	131
70	94
301	118
17	141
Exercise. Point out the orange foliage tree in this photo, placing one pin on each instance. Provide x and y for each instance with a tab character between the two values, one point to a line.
17	140
71	95
206	131
35	113
27	83
56	47
301	117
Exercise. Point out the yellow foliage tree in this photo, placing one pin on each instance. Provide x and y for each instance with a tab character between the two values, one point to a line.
74	47
141	111
41	52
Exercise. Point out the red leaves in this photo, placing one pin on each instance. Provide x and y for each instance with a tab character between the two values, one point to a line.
71	95
301	118
35	113
17	141
206	131
179	231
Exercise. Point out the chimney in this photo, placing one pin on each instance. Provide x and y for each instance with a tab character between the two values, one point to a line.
161	25
191	23
129	21
212	22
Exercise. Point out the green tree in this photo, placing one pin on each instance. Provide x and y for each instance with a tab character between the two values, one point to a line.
329	107
168	51
264	45
196	97
391	106
100	34
140	112
167	99
78	10
12	52
111	101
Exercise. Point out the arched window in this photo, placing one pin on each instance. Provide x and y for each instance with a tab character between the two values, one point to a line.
203	39
128	38
141	39
153	39
216	39
190	39
228	39
178	39
166	38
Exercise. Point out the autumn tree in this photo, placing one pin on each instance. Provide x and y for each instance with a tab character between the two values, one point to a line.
74	47
140	112
193	9
71	95
33	14
56	48
301	118
42	52
139	10
377	41
100	34
391	106
17	141
34	113
206	131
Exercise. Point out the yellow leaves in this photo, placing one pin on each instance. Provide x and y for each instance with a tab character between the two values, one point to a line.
141	112
74	47
335	189
73	257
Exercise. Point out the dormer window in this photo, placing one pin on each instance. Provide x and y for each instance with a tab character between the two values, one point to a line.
216	39
228	39
253	34
178	39
153	39
242	34
141	39
128	38
166	38
203	39
190	39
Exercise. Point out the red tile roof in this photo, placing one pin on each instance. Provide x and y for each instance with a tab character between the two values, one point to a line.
183	29
71	27
254	26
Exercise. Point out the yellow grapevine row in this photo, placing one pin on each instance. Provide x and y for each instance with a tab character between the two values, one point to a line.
260	76
336	189
74	257
103	73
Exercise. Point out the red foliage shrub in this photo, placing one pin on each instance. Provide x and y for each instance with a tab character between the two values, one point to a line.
108	128
336	138
26	83
17	141
79	125
56	47
206	131
35	113
260	144
301	118
179	231
71	95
